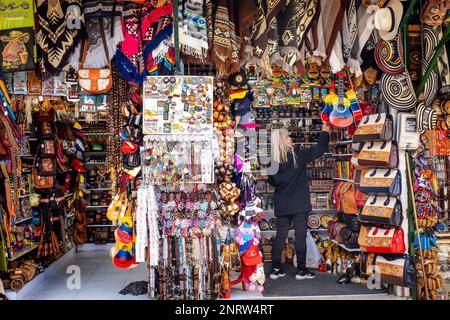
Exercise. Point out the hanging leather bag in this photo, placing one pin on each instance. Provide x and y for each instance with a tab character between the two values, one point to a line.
382	154
348	198
399	270
389	240
382	182
375	127
382	210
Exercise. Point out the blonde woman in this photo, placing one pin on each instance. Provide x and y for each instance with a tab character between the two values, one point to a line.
292	197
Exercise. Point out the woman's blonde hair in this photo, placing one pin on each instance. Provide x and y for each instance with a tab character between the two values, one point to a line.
281	147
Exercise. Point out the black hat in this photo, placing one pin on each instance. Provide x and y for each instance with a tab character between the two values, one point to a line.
238	79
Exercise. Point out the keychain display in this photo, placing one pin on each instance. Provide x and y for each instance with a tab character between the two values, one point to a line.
173	160
178	105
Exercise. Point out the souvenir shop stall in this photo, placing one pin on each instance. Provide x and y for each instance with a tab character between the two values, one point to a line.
144	128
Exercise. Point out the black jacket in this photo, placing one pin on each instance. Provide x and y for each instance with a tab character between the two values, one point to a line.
291	183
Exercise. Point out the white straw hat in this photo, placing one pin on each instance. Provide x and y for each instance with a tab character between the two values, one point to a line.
387	20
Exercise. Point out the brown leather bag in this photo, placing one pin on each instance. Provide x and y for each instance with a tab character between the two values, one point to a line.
42	182
348	198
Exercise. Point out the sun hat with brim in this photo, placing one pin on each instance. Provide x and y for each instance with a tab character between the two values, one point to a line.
430	41
426	117
398	91
387	19
388	55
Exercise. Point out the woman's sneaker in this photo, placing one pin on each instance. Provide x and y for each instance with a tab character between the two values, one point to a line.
304	273
275	274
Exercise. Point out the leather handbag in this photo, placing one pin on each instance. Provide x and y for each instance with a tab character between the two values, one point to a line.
389	240
379	155
375	127
95	80
352	222
382	210
399	270
349	238
348	199
47	166
360	198
382	182
48	148
362	238
42	182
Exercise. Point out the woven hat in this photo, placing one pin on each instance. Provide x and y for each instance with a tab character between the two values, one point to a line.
387	19
388	55
426	117
398	91
430	41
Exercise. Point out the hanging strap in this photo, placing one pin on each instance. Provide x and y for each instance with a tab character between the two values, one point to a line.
336	28
85	44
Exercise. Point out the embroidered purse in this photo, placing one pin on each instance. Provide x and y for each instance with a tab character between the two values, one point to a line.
42	182
389	240
383	210
381	182
375	127
48	148
47	167
379	155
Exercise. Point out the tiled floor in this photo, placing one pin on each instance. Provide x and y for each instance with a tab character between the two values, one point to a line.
99	280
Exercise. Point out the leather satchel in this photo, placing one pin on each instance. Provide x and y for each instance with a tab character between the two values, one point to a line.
382	210
95	81
389	240
399	270
379	155
42	182
382	182
375	127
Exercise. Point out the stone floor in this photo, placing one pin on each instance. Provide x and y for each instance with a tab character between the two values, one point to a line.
101	280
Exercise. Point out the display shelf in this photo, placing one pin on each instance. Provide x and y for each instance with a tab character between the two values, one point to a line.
21	254
337	155
94	163
270	232
23	220
318	230
99	189
342	179
344	247
101	226
443	235
96	133
328	210
92	121
95	207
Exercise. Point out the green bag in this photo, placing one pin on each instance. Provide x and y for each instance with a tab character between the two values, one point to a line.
3	254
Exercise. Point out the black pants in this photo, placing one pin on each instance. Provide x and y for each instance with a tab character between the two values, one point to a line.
300	226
